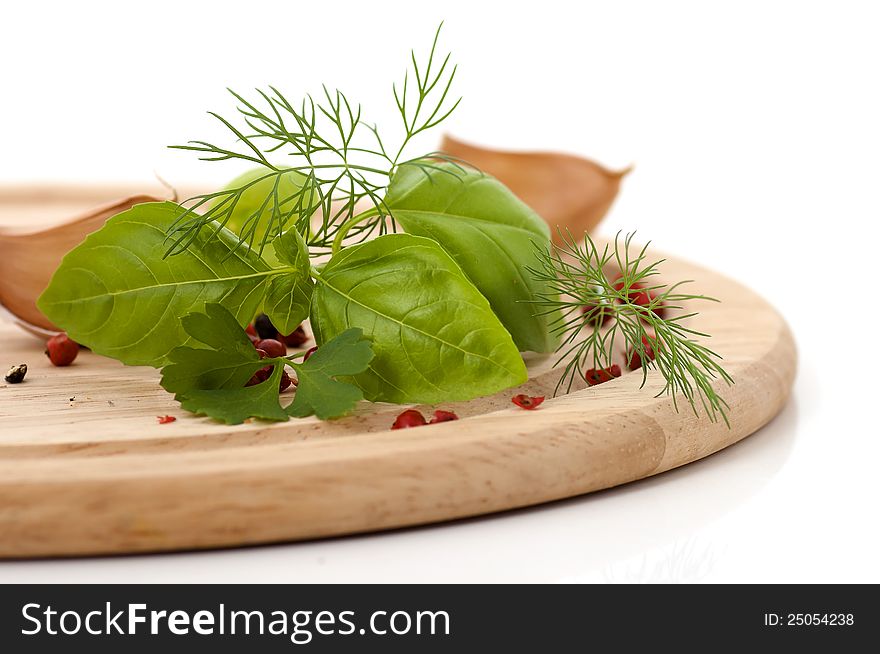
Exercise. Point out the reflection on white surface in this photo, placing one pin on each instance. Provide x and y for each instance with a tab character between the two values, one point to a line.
687	561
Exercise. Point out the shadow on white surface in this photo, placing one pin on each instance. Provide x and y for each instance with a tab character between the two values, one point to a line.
585	538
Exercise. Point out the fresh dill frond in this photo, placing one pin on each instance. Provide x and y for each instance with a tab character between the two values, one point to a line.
608	280
337	162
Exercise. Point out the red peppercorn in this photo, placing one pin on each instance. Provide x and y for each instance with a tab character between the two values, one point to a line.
296	338
309	353
633	360
409	418
527	402
443	416
61	350
619	284
599	376
164	420
252	335
641	296
272	347
660	309
257	378
597	315
648	298
262	374
636	294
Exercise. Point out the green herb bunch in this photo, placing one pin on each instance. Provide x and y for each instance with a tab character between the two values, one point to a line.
423	278
591	287
332	162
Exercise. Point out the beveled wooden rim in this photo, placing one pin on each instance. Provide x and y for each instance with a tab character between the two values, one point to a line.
229	486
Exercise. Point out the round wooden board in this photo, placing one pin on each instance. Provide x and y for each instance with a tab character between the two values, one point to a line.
85	467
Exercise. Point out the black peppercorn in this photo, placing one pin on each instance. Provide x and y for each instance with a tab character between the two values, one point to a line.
16	374
264	327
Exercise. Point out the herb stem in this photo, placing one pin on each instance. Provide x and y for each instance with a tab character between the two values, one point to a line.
343	231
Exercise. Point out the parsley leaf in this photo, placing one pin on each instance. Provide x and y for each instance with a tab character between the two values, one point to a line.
229	361
235	405
318	392
211	380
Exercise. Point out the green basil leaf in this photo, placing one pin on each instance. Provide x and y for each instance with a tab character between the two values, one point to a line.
116	294
288	296
489	232
434	335
257	204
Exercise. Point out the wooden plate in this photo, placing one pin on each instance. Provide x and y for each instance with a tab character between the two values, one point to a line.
85	468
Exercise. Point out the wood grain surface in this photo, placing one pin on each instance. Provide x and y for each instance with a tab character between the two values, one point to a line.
85	467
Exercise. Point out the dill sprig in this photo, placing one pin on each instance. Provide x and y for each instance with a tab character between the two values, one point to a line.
580	275
338	162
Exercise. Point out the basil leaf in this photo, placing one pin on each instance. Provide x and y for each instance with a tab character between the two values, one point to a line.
118	295
489	232
434	336
256	204
288	296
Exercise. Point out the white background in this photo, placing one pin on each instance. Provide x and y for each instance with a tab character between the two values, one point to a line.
755	131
